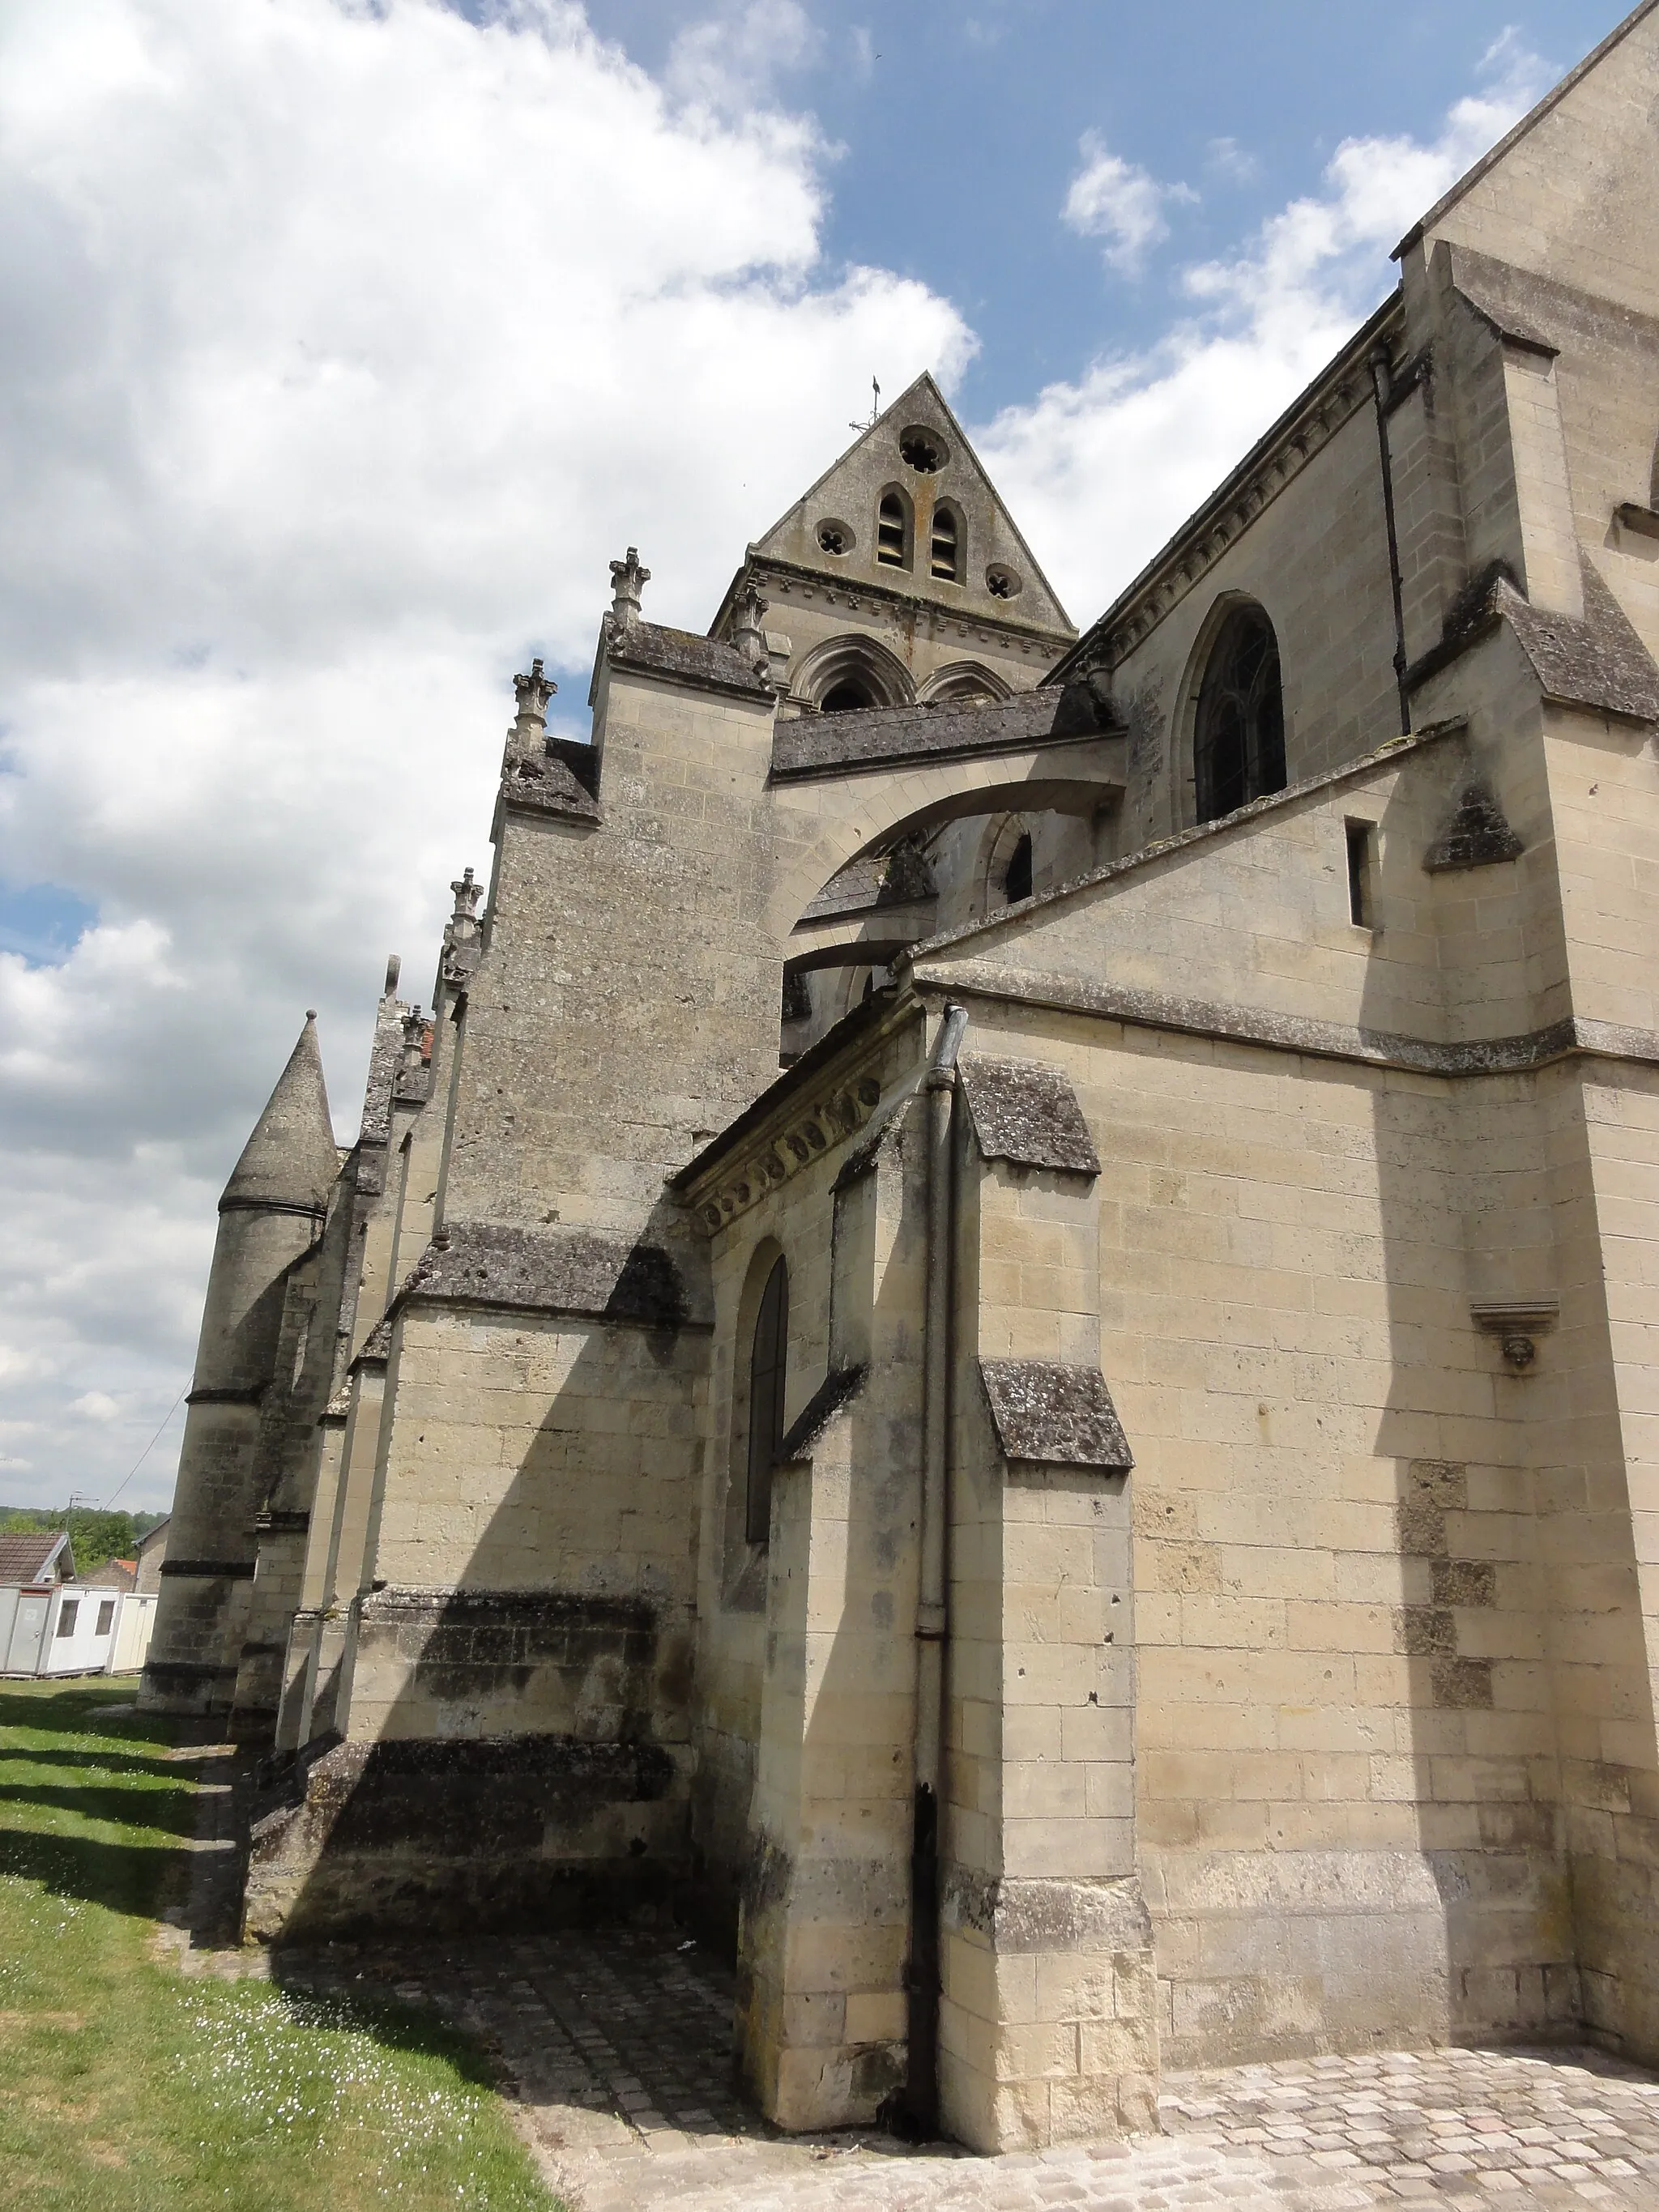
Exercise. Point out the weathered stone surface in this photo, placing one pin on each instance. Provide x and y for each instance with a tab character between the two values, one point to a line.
833	744
1027	1113
835	1393
1055	1416
1475	836
552	1271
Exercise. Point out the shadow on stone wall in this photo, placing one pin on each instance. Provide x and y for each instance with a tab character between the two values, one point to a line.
1480	1946
531	1756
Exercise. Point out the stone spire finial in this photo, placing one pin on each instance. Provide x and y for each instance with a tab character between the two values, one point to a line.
748	624
461	936
467	893
628	580
418	1040
290	1161
532	693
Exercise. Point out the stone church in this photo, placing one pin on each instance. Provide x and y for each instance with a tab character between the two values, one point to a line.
1000	1332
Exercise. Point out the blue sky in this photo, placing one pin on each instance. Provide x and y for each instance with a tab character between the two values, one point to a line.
354	340
959	141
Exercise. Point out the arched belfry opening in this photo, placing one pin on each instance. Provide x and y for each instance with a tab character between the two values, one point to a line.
945	550
1238	730
893	515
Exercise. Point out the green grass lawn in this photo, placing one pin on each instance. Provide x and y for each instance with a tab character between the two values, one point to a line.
124	2084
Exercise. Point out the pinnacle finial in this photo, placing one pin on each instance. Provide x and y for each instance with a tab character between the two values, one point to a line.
532	693
628	580
467	894
748	623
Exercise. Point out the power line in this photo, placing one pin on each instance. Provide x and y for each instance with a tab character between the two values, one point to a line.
146	1452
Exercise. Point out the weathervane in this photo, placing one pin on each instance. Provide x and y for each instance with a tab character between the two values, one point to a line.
875	408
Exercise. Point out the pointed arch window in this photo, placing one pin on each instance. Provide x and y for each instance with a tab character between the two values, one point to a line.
893	531
1016	884
1238	736
946	550
767	1364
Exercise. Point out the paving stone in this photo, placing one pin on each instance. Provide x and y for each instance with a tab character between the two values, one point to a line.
614	2046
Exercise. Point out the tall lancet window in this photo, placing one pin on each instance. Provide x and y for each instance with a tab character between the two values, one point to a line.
946	547
766	1383
1238	738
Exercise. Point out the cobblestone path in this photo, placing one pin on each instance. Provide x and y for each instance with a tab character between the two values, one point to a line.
617	2048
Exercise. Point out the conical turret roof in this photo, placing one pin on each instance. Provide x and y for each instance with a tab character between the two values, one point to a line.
291	1159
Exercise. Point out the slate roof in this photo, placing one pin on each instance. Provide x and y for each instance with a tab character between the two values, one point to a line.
26	1555
871	737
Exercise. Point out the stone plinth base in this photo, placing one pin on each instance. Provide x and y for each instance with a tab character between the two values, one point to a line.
416	1834
1047	2025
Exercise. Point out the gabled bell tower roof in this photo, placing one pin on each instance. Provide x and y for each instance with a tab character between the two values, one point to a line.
291	1160
917	450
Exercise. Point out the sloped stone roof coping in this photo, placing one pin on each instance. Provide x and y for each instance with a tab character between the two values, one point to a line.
1395	748
1027	1112
682	656
1600	662
871	737
1534	116
838	1388
1049	1415
556	1270
547	785
1477	834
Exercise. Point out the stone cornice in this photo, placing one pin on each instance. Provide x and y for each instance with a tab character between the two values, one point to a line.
792	582
1261	1026
812	1110
1306	428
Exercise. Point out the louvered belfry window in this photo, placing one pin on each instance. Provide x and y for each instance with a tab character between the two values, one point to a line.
891	548
944	545
766	1385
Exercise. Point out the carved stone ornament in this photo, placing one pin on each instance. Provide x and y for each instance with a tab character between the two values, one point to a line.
628	580
819	1122
532	693
1516	1323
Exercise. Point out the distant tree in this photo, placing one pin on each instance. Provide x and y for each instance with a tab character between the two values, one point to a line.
95	1538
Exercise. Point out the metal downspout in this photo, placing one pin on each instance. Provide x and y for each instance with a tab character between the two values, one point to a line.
933	1613
1382	384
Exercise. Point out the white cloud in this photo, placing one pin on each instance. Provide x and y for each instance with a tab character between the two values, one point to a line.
1101	471
1231	160
95	1406
350	342
1115	200
731	64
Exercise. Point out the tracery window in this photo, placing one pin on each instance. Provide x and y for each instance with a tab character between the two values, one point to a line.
1238	737
945	548
893	531
766	1364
